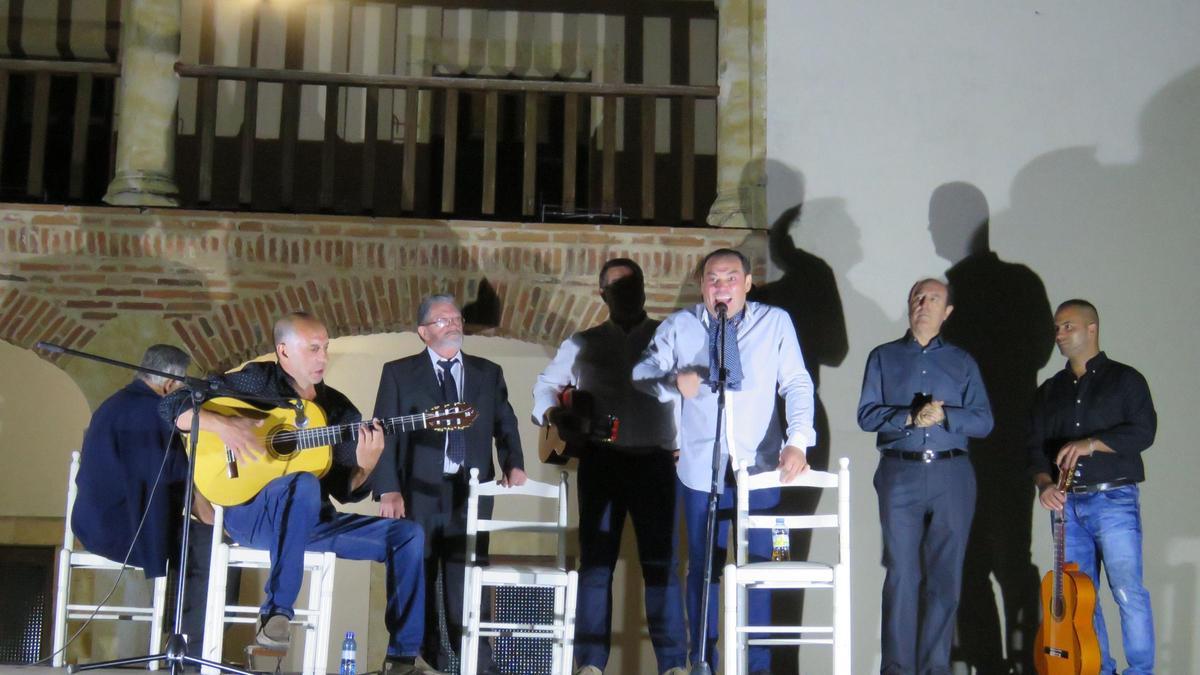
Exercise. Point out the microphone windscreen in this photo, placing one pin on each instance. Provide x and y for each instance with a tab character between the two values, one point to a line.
49	347
721	308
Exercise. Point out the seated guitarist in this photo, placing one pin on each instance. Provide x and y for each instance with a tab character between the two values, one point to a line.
293	513
634	475
1095	418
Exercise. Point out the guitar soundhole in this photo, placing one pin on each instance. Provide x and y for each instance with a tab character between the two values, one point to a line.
1057	608
281	442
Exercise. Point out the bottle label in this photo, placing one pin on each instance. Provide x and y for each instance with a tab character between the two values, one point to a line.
781	540
347	654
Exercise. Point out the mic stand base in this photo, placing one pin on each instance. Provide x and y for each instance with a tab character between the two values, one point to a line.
175	658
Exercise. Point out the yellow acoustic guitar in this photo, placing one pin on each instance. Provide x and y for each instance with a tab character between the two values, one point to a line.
290	449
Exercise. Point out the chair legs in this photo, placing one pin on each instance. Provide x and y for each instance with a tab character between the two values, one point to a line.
568	637
214	615
729	588
469	650
60	606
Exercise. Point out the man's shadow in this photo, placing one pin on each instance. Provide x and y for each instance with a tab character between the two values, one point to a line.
1002	318
808	292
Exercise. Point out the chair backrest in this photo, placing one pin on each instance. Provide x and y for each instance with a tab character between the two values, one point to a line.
840	519
531	488
72	493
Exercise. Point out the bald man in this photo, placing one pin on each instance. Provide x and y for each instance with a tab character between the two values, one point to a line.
293	513
1094	419
923	397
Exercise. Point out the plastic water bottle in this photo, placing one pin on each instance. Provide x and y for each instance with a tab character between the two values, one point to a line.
781	542
349	659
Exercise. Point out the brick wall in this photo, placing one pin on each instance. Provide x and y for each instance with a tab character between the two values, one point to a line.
218	280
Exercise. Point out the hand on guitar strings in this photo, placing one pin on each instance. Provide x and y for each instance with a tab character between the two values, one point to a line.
239	436
370	444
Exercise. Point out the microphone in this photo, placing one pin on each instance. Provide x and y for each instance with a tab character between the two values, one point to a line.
49	347
301	418
721	308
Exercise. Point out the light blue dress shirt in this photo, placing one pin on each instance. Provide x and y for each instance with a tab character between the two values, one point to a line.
772	366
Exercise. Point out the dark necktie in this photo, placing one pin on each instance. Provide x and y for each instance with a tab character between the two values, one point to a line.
733	357
456	442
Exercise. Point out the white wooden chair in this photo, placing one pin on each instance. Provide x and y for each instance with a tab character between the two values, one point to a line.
833	575
70	559
314	619
561	631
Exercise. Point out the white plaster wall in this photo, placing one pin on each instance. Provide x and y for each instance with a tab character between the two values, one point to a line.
1079	122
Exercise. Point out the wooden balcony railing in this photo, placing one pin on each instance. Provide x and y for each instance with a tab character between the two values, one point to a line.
413	183
49	127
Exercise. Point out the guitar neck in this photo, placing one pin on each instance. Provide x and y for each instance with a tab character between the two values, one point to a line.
332	435
1060	531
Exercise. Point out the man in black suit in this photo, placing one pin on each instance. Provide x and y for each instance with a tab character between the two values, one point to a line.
423	475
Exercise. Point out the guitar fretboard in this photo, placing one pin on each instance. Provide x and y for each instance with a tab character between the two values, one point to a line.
332	435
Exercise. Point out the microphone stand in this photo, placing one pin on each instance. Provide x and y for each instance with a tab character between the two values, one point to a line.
710	532
175	654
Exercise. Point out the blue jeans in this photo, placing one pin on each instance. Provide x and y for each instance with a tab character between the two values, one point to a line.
613	483
290	516
695	517
1105	528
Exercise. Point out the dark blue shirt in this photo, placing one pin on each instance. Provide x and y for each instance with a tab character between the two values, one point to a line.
1111	403
902	376
124	448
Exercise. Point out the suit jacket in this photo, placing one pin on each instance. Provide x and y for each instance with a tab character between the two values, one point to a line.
412	461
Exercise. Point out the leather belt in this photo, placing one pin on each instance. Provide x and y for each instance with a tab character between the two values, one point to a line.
1101	487
926	456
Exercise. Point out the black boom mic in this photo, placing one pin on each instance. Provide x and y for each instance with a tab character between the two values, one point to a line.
721	309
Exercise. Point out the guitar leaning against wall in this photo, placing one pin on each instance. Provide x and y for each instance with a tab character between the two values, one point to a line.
1066	642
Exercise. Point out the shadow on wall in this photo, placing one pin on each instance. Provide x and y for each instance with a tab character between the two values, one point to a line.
808	292
1002	318
1129	232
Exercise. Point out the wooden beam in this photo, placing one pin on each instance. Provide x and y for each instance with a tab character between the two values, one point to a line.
289	111
608	173
434	82
3	114
687	159
408	177
79	134
450	151
208	138
35	182
328	146
491	119
249	132
648	110
370	138
529	163
570	149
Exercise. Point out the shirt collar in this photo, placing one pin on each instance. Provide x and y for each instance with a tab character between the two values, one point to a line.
748	311
935	343
1095	363
434	357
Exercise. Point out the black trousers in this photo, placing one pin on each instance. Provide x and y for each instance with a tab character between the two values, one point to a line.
445	553
925	510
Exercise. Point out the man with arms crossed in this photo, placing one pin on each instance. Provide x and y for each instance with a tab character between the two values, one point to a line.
1094	418
762	357
634	475
923	397
293	513
424	475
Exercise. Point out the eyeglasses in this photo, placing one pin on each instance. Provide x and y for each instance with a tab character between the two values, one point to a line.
444	321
